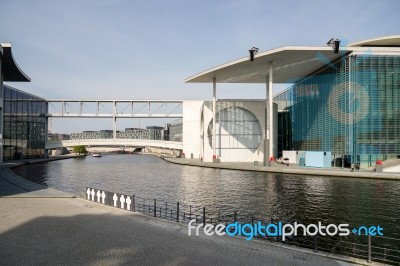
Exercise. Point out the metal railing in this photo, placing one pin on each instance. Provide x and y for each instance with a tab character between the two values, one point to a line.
377	248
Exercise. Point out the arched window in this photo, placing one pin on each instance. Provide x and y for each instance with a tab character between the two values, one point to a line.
237	128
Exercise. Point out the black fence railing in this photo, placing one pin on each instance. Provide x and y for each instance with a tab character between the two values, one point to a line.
377	248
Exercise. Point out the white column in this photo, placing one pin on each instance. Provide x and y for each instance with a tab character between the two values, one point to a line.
214	137
266	119
271	110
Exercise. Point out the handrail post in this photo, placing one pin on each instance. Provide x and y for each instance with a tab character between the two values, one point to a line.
155	208
177	211
315	244
384	254
369	249
133	203
204	216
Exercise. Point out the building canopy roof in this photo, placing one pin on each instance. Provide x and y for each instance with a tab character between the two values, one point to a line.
10	69
387	41
289	63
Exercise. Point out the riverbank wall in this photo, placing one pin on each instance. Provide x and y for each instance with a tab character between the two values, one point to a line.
291	169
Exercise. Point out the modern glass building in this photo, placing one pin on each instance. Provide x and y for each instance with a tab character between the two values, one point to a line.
23	122
344	100
350	107
24	125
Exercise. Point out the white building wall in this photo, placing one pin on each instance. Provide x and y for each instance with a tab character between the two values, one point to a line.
197	115
191	128
257	108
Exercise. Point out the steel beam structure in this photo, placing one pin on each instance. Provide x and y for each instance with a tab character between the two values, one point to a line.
115	108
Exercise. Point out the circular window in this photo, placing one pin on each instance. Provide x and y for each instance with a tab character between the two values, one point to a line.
236	128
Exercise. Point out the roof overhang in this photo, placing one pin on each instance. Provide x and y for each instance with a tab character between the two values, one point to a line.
289	63
386	41
10	69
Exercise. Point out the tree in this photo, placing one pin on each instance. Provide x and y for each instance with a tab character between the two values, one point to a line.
80	149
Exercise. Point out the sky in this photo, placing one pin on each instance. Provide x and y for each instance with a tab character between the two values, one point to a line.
131	49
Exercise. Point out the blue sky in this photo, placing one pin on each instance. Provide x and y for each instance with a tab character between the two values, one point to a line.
120	49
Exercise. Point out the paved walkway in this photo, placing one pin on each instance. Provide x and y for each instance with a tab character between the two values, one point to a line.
284	169
49	227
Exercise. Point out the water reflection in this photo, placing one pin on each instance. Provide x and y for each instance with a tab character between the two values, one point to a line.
270	196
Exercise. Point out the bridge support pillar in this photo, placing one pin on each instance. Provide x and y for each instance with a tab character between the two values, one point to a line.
114	120
114	128
46	131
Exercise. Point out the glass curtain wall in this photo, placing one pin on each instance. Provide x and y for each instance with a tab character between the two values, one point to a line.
315	109
377	115
350	108
24	121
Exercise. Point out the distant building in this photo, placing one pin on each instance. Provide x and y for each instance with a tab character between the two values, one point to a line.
134	133
156	133
175	130
102	134
153	132
58	137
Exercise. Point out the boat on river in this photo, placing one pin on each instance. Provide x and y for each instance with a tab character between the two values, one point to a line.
96	154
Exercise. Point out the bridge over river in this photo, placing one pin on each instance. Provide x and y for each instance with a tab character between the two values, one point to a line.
115	109
120	143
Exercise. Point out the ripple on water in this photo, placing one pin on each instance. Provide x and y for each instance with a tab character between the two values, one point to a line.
289	198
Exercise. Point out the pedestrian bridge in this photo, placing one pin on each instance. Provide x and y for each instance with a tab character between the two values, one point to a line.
126	143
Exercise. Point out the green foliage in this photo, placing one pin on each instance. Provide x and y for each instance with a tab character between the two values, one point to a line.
80	149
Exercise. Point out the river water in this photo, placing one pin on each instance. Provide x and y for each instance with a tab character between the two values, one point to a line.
280	197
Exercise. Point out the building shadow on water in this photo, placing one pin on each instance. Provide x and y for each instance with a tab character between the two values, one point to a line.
13	185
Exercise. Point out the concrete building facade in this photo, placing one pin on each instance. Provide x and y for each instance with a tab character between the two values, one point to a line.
240	130
175	130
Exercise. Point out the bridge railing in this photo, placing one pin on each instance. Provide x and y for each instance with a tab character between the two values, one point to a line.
116	142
